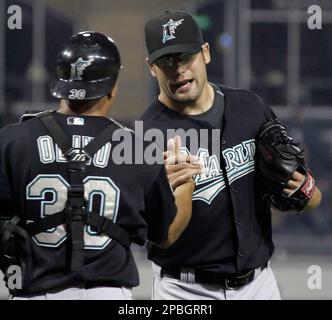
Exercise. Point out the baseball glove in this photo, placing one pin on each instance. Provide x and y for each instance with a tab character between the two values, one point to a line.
278	157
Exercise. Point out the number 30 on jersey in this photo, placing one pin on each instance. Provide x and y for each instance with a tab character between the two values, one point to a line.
100	192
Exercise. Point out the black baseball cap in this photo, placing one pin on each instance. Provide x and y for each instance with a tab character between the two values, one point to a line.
172	31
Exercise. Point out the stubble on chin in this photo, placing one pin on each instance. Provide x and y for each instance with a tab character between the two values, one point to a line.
186	99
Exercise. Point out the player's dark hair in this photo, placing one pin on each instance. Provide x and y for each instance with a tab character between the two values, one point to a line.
80	106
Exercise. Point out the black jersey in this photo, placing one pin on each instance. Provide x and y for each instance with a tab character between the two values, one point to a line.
34	183
230	229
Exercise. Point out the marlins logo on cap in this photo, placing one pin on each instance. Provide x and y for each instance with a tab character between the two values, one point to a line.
169	29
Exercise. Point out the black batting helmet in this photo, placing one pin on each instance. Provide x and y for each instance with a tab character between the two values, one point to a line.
87	67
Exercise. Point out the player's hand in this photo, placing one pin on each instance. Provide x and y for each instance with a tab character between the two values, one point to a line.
294	183
180	168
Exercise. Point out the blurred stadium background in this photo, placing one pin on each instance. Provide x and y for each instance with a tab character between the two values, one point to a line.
263	45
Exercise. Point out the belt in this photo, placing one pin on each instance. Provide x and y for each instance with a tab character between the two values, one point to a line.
227	281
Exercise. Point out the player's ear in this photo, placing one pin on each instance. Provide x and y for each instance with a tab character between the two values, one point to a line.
151	67
206	53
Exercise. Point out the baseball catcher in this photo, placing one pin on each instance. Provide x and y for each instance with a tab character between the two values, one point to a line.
68	220
279	159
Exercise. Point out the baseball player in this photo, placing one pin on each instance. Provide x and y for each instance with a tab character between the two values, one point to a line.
224	252
69	212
